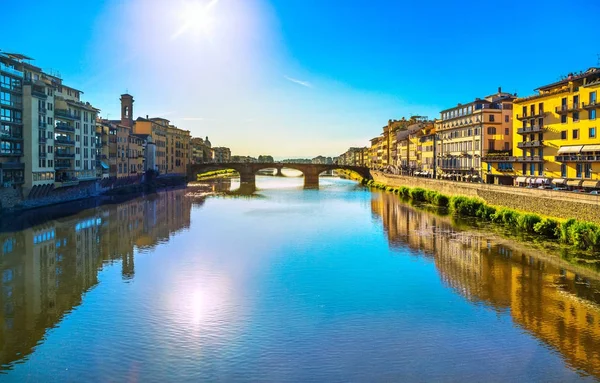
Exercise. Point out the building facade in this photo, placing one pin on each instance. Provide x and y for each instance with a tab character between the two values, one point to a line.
469	132
557	138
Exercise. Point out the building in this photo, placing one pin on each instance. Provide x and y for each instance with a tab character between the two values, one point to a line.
246	159
408	143
376	152
48	133
177	150
221	155
201	151
156	128
557	137
471	131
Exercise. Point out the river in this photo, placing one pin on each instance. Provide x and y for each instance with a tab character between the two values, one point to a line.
336	284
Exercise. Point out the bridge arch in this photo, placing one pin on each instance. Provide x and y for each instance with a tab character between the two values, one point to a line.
248	171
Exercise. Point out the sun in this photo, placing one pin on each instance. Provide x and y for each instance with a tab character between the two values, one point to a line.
197	19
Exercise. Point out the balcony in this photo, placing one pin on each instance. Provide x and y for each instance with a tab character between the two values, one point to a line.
528	159
61	165
42	125
38	91
42	154
538	114
42	140
531	129
60	126
564	109
577	158
590	105
63	141
497	156
10	136
63	113
11	104
63	154
10	153
10	70
530	144
42	110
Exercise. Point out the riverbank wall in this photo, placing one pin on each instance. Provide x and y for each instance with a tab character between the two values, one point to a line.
559	204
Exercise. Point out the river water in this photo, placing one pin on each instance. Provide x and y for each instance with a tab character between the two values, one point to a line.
336	284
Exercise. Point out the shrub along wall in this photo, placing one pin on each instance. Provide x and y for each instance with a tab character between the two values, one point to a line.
584	207
579	234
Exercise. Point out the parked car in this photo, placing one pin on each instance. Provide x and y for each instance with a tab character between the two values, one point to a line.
560	188
595	192
578	190
545	187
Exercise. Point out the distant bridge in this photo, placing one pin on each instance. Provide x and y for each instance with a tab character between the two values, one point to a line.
248	170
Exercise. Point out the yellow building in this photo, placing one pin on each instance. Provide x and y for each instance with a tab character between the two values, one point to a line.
426	150
157	129
178	151
468	132
557	138
375	153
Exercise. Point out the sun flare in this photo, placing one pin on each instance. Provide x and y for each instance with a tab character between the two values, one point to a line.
197	18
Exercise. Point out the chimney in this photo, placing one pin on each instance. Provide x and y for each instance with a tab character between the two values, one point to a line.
499	89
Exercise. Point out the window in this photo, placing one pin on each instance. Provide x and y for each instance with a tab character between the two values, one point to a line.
575	116
506	118
77	138
588	170
592	132
563	170
575	134
492	118
593	98
578	168
50	149
506	131
592	114
563	135
563	119
50	121
491	130
540	169
77	150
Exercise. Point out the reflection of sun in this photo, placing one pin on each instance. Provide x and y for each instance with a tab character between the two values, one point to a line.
197	18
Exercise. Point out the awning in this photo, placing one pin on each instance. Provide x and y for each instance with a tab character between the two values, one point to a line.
570	149
591	148
573	182
559	181
104	165
591	184
521	180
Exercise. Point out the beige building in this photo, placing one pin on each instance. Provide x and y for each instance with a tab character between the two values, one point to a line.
178	151
221	154
467	132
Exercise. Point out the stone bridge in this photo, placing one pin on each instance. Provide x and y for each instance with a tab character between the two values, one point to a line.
248	170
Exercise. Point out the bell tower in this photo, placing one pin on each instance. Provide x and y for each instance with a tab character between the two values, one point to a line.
127	110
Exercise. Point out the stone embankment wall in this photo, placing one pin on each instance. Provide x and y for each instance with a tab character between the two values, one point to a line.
551	203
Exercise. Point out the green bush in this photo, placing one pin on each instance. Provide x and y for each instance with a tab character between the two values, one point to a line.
389	188
404	191
584	235
527	222
465	206
548	228
485	212
417	194
565	234
505	216
441	200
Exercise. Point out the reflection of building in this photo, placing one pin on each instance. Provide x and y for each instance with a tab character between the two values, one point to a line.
559	307
46	269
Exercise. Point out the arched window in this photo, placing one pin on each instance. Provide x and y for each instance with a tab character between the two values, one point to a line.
126	112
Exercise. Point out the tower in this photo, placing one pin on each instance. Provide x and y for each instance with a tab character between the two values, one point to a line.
127	110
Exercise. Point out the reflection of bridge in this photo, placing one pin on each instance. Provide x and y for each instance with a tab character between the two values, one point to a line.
248	170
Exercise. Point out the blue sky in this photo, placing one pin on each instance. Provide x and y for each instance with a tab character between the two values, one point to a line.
299	77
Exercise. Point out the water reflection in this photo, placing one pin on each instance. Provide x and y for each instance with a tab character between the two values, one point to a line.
47	268
556	302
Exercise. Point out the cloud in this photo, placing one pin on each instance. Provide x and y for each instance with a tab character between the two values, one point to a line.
303	83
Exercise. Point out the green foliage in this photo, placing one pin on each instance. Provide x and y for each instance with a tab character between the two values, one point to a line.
441	200
528	221
584	235
417	194
565	234
485	212
465	206
548	228
404	191
505	216
216	173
